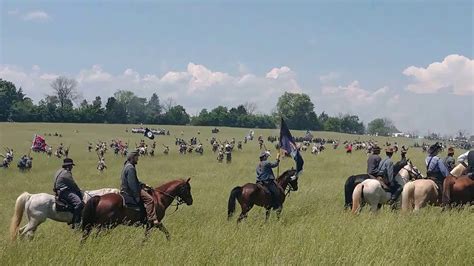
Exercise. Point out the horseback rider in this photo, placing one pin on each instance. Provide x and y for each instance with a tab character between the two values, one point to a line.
469	157
136	192
449	161
435	168
68	191
266	178
385	174
373	162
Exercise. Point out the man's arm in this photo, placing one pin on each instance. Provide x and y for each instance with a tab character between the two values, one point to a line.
443	168
133	182
390	170
462	157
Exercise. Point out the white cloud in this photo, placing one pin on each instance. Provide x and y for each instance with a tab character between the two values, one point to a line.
36	15
95	74
275	73
13	12
196	87
354	93
455	74
331	76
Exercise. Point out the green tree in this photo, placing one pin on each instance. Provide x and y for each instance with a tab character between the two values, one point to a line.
176	115
115	111
298	111
381	127
153	110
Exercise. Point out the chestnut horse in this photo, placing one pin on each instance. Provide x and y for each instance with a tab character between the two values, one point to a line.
458	190
109	210
254	194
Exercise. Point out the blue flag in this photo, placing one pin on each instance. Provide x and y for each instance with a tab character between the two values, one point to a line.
288	144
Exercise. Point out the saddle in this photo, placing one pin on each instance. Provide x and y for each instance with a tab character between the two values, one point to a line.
62	206
130	203
383	184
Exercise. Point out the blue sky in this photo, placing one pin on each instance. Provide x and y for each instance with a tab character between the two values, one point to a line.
349	57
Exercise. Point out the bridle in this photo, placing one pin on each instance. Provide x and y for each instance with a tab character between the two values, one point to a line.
179	200
411	172
290	188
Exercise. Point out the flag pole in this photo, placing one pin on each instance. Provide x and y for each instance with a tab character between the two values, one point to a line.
278	167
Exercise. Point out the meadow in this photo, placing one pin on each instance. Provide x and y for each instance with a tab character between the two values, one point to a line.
313	230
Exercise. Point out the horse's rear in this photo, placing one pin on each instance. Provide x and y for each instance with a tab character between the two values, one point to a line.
458	190
105	210
247	195
417	194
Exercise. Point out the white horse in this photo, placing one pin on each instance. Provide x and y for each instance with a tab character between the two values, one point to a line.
371	191
41	206
419	193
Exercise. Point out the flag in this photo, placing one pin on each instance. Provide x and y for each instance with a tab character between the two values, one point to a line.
288	144
149	134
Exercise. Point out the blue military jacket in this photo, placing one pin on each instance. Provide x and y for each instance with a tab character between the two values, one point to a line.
264	170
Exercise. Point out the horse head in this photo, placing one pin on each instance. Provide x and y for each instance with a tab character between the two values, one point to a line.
184	192
290	177
413	172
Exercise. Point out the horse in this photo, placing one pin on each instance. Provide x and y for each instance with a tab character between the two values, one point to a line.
353	180
41	206
371	190
251	194
457	190
419	193
109	210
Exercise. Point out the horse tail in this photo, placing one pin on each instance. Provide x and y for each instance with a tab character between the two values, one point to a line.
234	193
408	196
18	214
88	215
357	198
447	188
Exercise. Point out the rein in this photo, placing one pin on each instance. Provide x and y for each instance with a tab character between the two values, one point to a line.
178	199
412	172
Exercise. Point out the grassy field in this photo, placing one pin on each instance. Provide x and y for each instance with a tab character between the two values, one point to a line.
313	229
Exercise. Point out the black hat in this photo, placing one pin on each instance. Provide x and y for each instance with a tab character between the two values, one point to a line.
376	149
434	148
68	162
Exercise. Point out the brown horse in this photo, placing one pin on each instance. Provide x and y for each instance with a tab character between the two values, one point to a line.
109	210
254	194
458	190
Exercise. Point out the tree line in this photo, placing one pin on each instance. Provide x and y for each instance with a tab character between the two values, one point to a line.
125	107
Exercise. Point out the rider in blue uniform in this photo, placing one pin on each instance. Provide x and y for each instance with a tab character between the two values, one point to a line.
435	167
266	177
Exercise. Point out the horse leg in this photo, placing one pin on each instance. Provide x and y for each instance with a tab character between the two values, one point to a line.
163	229
267	214
278	212
30	228
245	209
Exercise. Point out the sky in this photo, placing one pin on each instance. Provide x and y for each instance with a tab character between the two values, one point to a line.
410	61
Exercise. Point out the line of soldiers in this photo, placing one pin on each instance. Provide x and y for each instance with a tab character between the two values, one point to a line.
436	168
134	192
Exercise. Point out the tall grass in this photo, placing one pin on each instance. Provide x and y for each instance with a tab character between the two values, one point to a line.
313	229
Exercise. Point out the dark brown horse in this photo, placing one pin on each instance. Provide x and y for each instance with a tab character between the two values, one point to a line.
251	194
109	210
458	190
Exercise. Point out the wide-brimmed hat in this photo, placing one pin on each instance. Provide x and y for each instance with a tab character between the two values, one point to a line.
450	150
132	154
68	162
376	148
389	150
404	150
264	154
434	148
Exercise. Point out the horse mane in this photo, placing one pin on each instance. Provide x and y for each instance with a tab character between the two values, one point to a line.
171	183
286	173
